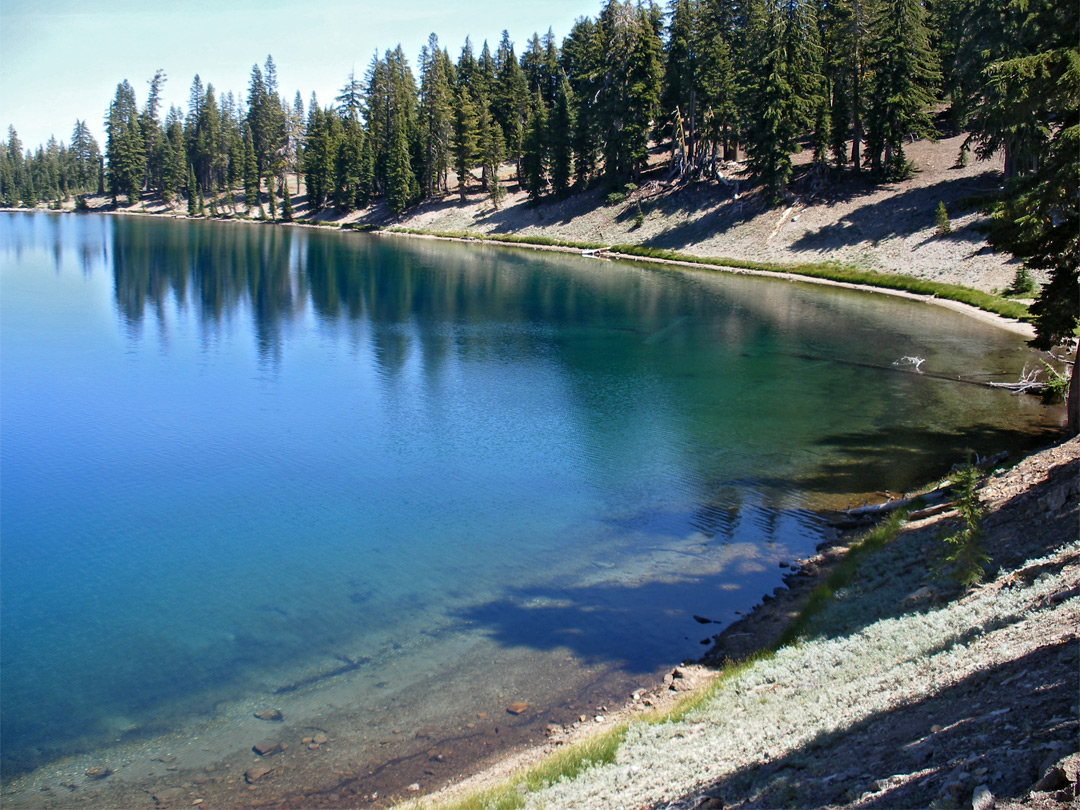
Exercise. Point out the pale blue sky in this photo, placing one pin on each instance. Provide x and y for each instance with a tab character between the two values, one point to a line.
61	59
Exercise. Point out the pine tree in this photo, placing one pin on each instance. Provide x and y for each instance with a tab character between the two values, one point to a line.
492	155
560	136
905	75
251	171
124	149
534	149
400	180
286	204
781	90
582	61
192	193
629	88
436	114
466	134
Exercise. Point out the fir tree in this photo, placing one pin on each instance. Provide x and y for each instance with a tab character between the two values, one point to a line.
251	171
905	75
192	193
534	157
466	134
560	137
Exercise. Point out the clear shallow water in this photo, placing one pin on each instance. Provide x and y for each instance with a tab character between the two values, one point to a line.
236	457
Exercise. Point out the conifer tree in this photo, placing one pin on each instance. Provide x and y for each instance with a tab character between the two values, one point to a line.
251	171
400	180
492	155
124	149
192	193
436	114
905	74
534	149
466	135
560	136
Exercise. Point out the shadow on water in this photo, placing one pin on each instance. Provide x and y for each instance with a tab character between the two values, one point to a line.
899	458
599	622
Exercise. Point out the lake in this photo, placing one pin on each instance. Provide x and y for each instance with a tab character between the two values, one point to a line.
248	466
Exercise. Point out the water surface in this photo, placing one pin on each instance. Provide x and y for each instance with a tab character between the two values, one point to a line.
238	458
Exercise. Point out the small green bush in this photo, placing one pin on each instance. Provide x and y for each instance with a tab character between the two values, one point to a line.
964	558
941	216
1023	285
1057	385
639	217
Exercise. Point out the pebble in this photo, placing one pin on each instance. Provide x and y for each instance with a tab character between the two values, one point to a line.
98	771
982	799
414	787
517	708
273	715
319	738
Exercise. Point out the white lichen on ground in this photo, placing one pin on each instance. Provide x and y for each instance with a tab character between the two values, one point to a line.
875	672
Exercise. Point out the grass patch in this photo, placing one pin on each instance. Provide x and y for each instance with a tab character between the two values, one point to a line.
842	575
563	764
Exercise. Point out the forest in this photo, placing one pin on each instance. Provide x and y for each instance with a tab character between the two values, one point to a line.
704	82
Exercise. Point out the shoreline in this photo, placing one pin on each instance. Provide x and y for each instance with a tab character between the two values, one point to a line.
659	688
1022	328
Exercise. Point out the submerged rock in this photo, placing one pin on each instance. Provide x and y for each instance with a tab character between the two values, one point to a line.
517	708
266	748
273	715
256	772
98	771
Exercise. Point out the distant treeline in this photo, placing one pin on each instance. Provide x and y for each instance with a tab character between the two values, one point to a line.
714	80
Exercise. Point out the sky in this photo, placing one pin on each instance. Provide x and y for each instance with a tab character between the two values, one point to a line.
60	60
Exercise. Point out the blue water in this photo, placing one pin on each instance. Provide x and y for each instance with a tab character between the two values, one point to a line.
231	454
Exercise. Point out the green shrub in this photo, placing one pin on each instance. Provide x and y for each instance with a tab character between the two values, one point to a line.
941	217
964	559
1057	385
639	217
1023	285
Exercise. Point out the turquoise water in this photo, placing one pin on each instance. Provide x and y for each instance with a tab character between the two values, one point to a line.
234	457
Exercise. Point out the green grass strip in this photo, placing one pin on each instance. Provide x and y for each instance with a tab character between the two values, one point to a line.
842	575
832	271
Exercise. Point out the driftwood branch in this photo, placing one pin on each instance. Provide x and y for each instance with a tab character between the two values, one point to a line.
1028	383
930	499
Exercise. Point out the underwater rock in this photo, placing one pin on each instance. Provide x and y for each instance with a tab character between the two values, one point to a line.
98	771
517	708
273	715
266	748
256	772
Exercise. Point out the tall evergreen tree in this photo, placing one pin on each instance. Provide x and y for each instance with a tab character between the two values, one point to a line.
561	136
906	74
466	137
534	149
124	147
436	115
